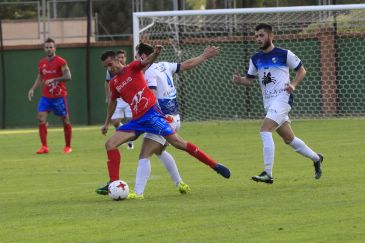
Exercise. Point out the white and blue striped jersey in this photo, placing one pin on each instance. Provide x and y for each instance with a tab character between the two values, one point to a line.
272	69
159	77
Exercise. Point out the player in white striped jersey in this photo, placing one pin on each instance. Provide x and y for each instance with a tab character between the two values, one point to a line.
271	65
159	77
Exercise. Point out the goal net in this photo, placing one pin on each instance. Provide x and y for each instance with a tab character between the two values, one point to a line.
328	39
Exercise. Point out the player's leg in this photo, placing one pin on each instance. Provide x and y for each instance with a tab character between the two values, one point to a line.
67	130
276	116
268	125
43	131
179	143
60	109
127	116
43	109
114	157
144	168
167	159
287	134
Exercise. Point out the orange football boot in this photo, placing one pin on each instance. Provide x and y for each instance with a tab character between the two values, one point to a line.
67	150
43	150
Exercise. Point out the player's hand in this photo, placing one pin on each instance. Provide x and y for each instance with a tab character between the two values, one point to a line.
237	78
104	129
50	81
290	88
30	94
211	51
158	49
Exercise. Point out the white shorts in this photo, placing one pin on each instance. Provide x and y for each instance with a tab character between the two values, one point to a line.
278	111
175	124
122	110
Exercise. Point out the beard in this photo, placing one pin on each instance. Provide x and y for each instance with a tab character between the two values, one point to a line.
266	45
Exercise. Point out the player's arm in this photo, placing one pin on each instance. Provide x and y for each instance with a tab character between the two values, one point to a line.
107	92
246	81
209	52
66	76
112	104
294	62
153	56
299	76
36	84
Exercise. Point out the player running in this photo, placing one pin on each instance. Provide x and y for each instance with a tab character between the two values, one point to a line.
272	67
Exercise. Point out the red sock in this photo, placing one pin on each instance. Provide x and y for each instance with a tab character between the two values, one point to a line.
113	164
200	155
67	129
42	128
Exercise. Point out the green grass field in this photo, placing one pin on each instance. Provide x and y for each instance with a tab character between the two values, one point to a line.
51	198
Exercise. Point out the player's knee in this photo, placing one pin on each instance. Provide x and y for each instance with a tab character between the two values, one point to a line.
109	144
288	140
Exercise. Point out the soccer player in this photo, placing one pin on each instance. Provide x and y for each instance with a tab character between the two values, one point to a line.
53	73
122	112
272	65
129	84
159	77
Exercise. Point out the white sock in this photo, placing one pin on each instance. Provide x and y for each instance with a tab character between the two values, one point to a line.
300	147
269	151
142	175
170	166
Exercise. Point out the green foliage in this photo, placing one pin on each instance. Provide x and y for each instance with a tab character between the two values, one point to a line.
18	11
51	198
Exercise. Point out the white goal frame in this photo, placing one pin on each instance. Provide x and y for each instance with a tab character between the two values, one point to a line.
137	15
327	38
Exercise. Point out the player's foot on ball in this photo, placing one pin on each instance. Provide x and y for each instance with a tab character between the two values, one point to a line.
43	150
130	145
222	170
133	195
67	150
183	188
318	167
263	177
103	190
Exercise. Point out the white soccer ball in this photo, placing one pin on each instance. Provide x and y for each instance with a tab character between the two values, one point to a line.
118	190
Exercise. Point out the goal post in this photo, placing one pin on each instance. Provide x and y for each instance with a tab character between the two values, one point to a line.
328	39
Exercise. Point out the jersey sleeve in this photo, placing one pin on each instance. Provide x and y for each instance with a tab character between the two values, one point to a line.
252	70
151	79
173	67
136	65
293	61
62	62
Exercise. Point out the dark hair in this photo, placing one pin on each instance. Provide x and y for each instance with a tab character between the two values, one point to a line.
143	48
50	40
121	52
107	54
266	27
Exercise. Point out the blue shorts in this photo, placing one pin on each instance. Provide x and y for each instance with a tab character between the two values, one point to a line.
57	105
152	122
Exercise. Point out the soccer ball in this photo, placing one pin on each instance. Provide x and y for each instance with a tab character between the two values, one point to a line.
118	190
